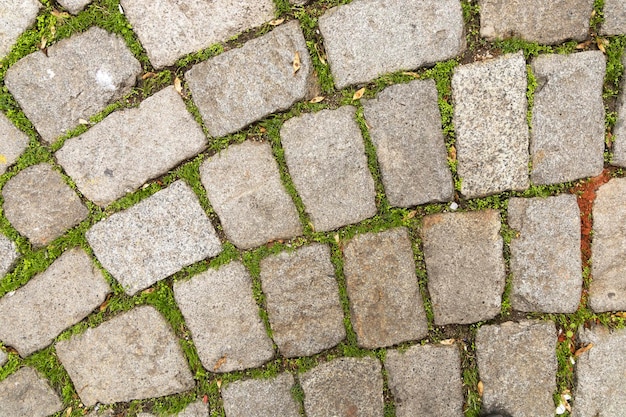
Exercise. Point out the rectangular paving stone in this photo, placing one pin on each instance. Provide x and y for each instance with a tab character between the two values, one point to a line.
246	84
405	126
326	159
224	320
465	265
244	187
77	78
129	147
619	130
261	398
386	306
8	255
614	13
155	238
368	38
567	139
13	143
490	123
25	393
302	299
15	17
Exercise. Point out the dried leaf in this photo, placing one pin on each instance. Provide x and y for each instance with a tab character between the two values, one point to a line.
60	15
621	314
53	30
358	94
276	22
411	74
320	54
219	383
221	361
296	62
83	122
583	349
481	388
584	45
409	216
44	42
447	342
178	85
262	129
68	412
317	99
602	43
452	153
148	75
336	238
104	305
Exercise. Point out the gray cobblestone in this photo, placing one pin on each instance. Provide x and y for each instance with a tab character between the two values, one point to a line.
13	143
8	255
74	6
25	393
15	17
614	14
619	130
261	398
3	357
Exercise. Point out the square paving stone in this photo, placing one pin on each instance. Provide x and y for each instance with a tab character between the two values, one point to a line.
246	84
426	381
517	366
40	205
405	126
465	265
302	298
135	355
64	294
386	306
74	6
326	158
567	135
13	143
8	255
243	185
155	238
15	17
344	387
491	127
368	38
614	13
77	78
619	131
25	393
131	146
261	398
545	254
224	320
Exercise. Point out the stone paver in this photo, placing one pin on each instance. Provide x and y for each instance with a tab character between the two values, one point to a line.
77	78
386	306
261	398
33	315
13	143
535	20
426	381
302	298
243	185
344	387
368	38
224	320
195	409
135	355
619	130
169	29
567	139
15	17
246	84
129	147
25	393
326	158
517	366
155	238
405	126
614	13
465	266
74	6
490	123
545	255
8	255
40	205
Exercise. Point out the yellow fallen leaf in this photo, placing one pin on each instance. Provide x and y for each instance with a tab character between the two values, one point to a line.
336	238
44	42
447	342
178	85
480	387
60	15
276	22
296	62
602	43
83	122
148	75
452	153
317	99
68	412
409	216
621	314
320	55
148	291
411	74
219	363
358	94
219	383
583	349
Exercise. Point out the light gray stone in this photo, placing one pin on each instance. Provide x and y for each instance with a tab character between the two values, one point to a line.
614	18
246	84
169	29
490	123
545	254
386	306
74	6
567	136
25	393
405	126
224	320
40	205
15	17
129	147
155	238
134	355
619	131
104	413
326	159
344	387
13	142
465	266
426	381
8	255
3	357
535	20
243	185
517	366
64	294
302	299
77	78
261	398
195	409
368	38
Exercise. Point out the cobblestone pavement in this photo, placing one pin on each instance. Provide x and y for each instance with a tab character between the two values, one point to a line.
366	208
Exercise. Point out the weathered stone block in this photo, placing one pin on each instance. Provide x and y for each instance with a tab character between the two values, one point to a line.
25	393
13	143
614	13
74	6
261	398
8	255
619	130
15	17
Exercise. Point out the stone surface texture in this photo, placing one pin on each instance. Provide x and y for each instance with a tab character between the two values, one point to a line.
463	254
614	13
302	299
261	398
131	146
77	78
368	38
13	143
243	186
15	17
517	366
619	130
134	355
195	409
326	158
405	127
224	320
74	6
567	139
3	357
246	84
8	255
25	393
